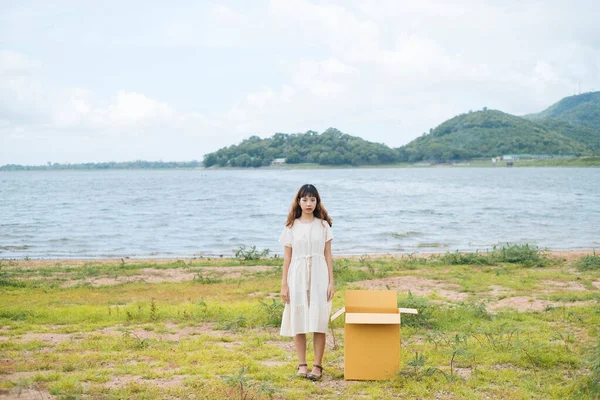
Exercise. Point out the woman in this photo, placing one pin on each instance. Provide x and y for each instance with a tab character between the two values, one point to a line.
307	284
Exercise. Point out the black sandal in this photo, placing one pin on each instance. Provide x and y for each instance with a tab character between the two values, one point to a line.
302	374
314	377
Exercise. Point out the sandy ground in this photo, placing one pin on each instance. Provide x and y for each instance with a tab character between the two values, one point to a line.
566	255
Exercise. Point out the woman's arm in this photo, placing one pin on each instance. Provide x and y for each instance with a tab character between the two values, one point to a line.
287	258
329	260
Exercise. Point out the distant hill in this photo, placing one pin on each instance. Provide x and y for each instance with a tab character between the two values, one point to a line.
490	133
569	127
331	147
139	164
582	110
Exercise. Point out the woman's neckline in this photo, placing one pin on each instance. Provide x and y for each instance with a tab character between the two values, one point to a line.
306	223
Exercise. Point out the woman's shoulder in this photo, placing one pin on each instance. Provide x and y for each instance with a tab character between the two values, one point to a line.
286	226
324	223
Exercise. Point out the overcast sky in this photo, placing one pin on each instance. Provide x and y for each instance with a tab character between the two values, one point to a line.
91	81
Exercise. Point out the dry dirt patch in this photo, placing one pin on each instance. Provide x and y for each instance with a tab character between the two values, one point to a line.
174	333
25	394
229	345
570	256
49	338
273	363
551	286
496	290
525	303
416	285
23	375
157	275
125	380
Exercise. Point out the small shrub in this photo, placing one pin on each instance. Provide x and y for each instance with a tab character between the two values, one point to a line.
5	281
274	312
466	259
344	274
424	318
499	338
247	388
200	278
475	310
589	262
251	253
235	325
135	340
153	310
529	256
415	368
68	368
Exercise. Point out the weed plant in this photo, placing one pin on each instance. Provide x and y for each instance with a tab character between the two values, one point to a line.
244	253
589	263
525	255
422	305
273	311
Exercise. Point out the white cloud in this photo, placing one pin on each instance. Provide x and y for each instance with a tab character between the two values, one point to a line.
21	94
169	80
13	64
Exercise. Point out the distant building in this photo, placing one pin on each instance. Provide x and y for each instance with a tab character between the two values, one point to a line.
278	161
518	157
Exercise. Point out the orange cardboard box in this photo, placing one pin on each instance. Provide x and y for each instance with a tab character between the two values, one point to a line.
372	334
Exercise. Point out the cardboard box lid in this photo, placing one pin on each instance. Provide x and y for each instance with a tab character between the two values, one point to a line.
371	301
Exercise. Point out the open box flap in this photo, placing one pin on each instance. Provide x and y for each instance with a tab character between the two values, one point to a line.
373	318
400	311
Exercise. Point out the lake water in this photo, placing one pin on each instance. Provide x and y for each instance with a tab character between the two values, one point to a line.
185	213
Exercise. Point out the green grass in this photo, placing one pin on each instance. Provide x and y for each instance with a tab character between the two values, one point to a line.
218	337
589	262
561	162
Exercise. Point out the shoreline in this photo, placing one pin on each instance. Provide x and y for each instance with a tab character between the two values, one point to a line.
567	255
577	162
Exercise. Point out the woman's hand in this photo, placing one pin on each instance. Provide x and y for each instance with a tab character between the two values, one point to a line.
330	291
285	293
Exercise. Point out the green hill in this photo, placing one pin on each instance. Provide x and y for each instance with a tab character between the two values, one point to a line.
332	147
489	133
586	136
582	110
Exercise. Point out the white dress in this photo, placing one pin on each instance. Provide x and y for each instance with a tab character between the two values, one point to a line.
308	278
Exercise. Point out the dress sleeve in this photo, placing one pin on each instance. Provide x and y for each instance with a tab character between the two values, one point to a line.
286	237
328	232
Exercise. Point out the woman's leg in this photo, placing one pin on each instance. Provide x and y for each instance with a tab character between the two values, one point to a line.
319	346
300	344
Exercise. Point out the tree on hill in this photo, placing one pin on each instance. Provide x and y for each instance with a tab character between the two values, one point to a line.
586	136
332	147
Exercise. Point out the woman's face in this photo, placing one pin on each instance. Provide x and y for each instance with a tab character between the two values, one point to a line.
308	204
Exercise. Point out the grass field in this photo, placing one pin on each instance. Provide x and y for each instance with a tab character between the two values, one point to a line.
514	323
